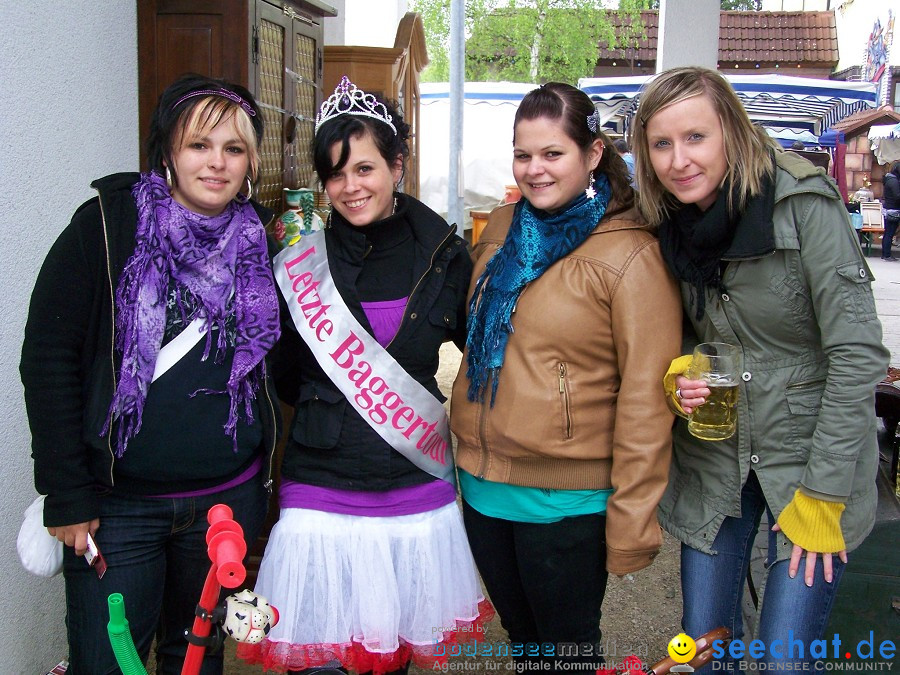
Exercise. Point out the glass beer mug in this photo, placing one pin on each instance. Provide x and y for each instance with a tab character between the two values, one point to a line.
718	364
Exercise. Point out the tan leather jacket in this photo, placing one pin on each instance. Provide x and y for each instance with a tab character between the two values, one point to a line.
580	403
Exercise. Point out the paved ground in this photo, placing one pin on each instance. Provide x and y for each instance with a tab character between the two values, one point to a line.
887	300
641	612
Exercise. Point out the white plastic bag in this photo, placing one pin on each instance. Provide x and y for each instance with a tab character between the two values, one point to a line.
40	553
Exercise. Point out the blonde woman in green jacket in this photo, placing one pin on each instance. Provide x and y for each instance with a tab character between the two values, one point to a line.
767	261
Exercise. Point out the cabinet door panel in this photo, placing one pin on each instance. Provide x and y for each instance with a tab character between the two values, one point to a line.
188	44
273	31
307	97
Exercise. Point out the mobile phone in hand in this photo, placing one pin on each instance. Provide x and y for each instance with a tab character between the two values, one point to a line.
94	557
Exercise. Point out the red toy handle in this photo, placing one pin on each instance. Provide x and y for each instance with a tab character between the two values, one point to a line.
226	548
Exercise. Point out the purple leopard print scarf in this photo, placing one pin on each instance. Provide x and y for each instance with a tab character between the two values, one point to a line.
209	256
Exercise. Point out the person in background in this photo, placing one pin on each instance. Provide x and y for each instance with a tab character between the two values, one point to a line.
622	148
134	438
798	145
891	196
368	563
563	434
766	260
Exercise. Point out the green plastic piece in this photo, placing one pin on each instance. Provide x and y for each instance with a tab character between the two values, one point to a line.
120	637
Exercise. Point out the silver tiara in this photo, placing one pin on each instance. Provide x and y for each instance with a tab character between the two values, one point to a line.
347	99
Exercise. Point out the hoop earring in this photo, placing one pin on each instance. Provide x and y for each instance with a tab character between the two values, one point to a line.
169	182
589	191
244	198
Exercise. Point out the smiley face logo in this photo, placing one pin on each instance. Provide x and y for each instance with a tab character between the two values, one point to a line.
682	648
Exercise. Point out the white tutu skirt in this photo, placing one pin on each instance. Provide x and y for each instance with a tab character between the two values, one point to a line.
370	592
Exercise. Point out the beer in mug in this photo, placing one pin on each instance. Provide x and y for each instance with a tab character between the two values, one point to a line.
719	365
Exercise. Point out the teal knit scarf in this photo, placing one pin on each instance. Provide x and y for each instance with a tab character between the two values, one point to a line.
536	239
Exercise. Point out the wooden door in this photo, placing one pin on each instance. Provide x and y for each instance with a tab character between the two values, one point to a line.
208	37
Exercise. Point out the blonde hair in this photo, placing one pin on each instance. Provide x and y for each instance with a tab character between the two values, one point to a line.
208	113
748	149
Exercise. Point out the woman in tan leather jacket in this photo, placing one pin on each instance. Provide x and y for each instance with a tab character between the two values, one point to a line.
564	434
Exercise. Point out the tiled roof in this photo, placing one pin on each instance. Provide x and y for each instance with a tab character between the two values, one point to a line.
748	37
859	122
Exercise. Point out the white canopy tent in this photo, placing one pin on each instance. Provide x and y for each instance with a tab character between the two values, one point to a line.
885	142
486	158
789	104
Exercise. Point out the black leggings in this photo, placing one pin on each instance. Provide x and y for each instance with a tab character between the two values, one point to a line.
890	228
547	583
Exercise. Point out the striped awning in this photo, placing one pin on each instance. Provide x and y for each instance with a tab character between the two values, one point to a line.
771	100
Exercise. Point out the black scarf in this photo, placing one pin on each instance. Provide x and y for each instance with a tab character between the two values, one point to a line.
695	243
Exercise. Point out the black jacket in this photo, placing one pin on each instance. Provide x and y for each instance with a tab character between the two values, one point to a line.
69	365
330	444
892	190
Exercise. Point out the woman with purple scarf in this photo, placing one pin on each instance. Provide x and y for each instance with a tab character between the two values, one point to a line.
145	377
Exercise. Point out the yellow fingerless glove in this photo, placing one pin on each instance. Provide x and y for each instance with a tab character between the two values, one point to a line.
813	524
678	367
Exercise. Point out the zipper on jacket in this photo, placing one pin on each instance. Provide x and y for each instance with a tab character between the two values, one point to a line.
416	286
564	398
482	424
112	344
269	482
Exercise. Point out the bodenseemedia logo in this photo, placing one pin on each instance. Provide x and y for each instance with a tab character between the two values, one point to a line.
866	655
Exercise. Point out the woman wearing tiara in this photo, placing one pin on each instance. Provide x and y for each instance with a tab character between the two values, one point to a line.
144	373
368	563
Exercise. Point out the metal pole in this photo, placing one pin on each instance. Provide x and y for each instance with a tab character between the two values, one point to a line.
688	34
455	184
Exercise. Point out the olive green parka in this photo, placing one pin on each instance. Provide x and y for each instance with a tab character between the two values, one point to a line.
804	318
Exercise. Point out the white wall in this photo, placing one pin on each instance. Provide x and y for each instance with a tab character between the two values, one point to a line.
372	23
68	114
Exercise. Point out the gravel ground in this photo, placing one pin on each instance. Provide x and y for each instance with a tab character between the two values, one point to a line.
641	612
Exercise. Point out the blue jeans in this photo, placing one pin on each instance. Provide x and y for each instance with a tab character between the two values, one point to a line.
156	556
713	585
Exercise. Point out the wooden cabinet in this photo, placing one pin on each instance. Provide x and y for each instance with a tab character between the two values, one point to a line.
274	48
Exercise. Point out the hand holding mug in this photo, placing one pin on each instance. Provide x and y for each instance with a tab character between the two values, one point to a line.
691	393
714	377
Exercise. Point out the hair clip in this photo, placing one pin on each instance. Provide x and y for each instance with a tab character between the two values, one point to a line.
593	121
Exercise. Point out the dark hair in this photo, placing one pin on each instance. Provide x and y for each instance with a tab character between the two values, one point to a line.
342	128
798	145
559	101
621	145
172	115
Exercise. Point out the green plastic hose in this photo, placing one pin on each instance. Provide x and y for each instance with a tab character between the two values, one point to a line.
120	637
